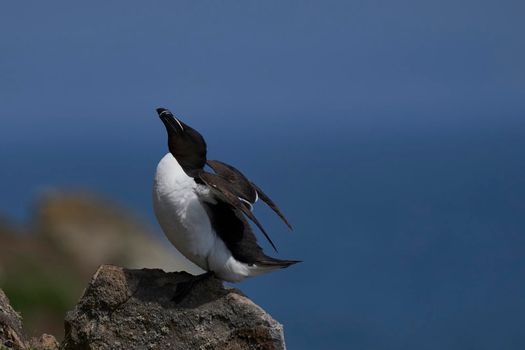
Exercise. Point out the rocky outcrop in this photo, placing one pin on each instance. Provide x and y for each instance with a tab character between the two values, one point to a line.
10	326
134	309
45	265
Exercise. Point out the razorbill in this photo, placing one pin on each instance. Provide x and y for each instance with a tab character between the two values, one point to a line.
203	213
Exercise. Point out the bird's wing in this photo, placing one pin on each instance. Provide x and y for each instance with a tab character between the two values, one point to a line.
271	204
240	185
235	231
244	188
228	193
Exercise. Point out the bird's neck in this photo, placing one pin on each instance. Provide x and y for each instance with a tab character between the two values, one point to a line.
170	175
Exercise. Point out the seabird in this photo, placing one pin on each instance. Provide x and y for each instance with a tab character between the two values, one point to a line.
203	213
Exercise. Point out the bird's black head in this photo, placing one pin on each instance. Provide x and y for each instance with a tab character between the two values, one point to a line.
184	143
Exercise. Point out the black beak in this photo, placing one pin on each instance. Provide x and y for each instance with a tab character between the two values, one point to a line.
160	111
170	122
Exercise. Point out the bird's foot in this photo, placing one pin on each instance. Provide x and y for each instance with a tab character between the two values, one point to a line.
183	288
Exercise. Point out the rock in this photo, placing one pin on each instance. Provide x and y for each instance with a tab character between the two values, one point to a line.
45	342
10	325
133	309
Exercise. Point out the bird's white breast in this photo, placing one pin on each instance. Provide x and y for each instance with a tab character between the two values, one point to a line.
180	213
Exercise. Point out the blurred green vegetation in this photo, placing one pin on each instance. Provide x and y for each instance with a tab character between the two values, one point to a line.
33	287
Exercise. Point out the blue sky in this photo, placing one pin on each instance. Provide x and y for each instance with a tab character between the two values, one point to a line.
391	133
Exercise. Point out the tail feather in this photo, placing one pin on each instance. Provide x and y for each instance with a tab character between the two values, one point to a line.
269	264
276	263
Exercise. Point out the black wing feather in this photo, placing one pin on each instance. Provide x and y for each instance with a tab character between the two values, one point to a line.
233	229
224	189
240	185
271	204
243	187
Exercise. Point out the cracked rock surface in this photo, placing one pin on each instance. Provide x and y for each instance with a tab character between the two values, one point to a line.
134	309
